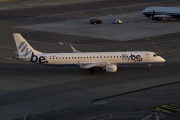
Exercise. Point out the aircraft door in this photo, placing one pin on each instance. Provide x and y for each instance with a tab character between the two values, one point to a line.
147	57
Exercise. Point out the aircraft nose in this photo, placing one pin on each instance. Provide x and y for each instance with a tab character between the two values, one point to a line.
163	60
144	11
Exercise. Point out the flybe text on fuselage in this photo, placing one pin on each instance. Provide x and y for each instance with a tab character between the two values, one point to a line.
135	58
40	59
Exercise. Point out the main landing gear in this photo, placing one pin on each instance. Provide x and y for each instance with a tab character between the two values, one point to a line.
149	66
92	70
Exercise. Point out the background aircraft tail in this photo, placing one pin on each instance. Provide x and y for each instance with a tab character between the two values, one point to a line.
23	47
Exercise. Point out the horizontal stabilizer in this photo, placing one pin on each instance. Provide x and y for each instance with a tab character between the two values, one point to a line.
16	53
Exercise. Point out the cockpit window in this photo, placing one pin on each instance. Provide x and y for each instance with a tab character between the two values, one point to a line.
154	55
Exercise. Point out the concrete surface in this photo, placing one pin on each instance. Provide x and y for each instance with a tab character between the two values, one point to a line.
134	26
70	93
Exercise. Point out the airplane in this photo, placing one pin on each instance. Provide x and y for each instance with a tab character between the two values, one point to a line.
158	13
108	61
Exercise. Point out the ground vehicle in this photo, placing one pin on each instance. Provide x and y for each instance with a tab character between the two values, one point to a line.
117	21
95	21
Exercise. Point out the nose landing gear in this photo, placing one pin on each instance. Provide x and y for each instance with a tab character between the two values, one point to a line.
149	66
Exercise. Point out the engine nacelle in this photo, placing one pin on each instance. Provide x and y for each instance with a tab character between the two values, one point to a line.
110	68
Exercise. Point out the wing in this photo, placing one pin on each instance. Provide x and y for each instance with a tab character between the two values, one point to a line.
163	16
90	65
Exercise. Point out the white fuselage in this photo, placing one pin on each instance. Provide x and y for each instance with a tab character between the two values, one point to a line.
94	57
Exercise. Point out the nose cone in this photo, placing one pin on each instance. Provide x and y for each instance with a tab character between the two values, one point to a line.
143	11
162	59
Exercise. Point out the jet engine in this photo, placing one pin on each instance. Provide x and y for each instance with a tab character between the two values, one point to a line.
157	18
110	68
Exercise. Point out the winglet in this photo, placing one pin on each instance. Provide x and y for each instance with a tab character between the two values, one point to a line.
74	50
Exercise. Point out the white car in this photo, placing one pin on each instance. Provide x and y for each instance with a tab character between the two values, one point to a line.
117	21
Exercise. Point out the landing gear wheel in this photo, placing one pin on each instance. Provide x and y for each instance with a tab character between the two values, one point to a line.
168	20
92	70
149	66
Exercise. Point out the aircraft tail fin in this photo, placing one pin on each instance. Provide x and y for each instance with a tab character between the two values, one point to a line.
23	47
